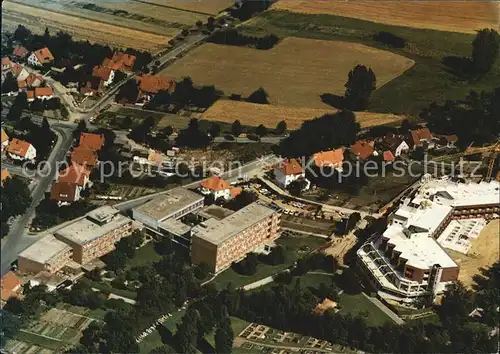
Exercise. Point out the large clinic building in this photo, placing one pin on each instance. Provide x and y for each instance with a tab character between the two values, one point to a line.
406	261
219	243
46	255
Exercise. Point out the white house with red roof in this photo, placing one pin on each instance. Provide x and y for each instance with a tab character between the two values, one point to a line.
219	188
106	74
5	140
40	57
21	150
288	171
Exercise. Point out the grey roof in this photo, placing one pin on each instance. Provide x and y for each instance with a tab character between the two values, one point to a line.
43	250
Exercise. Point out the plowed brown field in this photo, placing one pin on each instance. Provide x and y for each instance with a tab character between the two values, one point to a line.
456	16
254	114
295	73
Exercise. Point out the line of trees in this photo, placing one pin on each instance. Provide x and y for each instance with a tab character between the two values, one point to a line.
234	37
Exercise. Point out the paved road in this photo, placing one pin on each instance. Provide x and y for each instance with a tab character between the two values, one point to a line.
17	239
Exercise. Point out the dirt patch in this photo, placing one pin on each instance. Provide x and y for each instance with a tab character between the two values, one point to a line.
484	252
292	73
270	115
37	20
456	16
340	246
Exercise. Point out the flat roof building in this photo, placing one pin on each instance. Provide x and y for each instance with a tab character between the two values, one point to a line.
219	243
96	234
407	261
47	254
174	204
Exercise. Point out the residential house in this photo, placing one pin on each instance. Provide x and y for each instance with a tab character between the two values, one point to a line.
120	61
41	93
77	174
92	141
84	156
288	171
393	143
388	156
363	149
21	150
332	159
107	75
91	86
31	81
421	137
445	141
40	57
20	52
6	63
150	85
65	192
19	72
10	286
219	188
5	140
4	175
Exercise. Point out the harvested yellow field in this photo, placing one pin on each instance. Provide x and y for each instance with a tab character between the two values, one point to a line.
296	72
484	252
38	19
456	16
270	115
210	7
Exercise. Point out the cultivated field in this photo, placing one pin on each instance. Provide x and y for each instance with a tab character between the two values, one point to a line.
292	73
270	115
457	16
484	252
37	20
210	7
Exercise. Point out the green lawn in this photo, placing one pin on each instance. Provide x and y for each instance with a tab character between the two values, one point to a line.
237	324
427	81
144	256
292	246
150	342
39	340
358	304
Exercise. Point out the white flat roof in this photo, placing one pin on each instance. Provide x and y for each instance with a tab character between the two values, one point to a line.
85	230
421	251
43	250
456	194
217	231
165	205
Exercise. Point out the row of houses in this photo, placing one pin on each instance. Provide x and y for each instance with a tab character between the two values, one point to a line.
76	177
387	148
17	149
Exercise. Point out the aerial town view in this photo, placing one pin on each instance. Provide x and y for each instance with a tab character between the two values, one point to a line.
250	176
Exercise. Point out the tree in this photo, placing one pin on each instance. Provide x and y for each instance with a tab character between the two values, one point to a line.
128	92
21	33
236	128
116	260
15	197
259	96
168	130
20	103
193	136
352	221
10	326
80	128
199	23
456	304
224	335
261	130
9	84
201	271
214	129
187	332
485	48
360	84
281	127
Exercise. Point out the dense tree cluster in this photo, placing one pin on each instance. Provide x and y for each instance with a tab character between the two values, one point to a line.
485	49
474	119
9	84
15	199
246	9
390	39
321	134
48	213
234	37
193	136
361	82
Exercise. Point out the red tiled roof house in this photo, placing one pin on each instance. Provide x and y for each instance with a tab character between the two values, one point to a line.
20	52
40	57
105	74
65	192
288	171
21	150
332	159
120	61
5	140
150	85
219	188
363	149
421	137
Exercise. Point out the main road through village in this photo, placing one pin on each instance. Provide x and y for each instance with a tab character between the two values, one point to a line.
18	238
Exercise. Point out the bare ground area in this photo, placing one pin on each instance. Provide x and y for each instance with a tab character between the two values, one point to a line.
456	16
270	115
292	72
339	247
484	252
37	20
